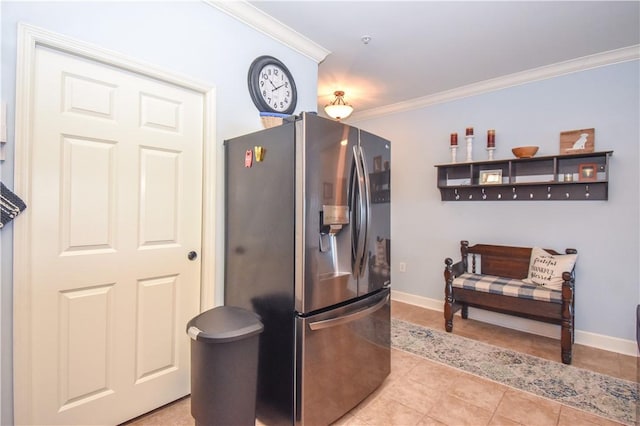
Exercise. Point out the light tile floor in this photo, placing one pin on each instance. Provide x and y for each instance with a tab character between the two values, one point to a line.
420	392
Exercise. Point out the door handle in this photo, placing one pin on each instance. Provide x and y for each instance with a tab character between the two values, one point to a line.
192	255
360	227
319	325
367	205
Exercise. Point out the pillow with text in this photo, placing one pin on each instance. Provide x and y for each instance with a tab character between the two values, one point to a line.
546	269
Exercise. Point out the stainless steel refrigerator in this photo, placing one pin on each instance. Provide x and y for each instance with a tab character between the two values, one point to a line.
307	247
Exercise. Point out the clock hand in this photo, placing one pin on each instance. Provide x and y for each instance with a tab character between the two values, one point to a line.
276	88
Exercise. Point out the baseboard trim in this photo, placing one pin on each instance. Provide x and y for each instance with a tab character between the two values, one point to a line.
600	341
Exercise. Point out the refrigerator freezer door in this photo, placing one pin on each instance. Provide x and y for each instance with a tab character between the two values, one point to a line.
342	356
377	158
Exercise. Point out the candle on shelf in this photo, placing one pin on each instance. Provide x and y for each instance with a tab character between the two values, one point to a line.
453	146
491	138
469	138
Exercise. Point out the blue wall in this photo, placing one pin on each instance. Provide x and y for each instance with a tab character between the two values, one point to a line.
425	230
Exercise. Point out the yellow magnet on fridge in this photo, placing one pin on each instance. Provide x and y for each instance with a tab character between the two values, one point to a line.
259	153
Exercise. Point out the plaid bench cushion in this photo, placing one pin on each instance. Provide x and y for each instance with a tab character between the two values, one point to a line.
507	287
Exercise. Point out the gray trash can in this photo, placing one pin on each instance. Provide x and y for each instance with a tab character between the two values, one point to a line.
224	366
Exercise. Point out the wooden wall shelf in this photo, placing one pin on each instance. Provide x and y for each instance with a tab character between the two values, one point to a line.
527	179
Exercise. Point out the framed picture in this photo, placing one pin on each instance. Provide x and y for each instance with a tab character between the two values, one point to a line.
377	163
577	141
587	172
490	177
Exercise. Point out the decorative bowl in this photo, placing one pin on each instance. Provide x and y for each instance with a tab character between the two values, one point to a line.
524	151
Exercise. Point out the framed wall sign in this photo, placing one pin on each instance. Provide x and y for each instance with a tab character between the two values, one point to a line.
587	172
577	141
490	177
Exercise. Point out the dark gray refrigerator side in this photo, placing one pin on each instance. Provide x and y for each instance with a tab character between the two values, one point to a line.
259	256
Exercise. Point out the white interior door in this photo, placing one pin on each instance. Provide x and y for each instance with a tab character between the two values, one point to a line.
116	206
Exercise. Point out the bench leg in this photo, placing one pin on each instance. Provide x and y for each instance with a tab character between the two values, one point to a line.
566	341
449	308
464	312
448	315
567	331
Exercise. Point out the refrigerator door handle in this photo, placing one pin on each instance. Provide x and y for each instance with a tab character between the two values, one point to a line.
367	205
334	322
352	207
359	232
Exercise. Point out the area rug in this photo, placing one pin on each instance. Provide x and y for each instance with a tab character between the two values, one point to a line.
596	393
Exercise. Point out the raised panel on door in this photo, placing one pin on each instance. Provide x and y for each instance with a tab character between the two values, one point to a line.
86	345
85	95
156	332
88	190
160	113
160	183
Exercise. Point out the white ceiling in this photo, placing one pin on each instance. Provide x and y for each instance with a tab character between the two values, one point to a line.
421	48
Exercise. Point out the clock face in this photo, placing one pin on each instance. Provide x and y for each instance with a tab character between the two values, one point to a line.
275	87
271	86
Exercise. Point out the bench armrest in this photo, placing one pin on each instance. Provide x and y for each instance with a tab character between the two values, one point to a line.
568	285
453	269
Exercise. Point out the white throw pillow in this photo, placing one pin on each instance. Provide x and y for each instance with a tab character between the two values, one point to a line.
546	269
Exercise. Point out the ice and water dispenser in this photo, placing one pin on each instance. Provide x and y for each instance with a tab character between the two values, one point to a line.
332	220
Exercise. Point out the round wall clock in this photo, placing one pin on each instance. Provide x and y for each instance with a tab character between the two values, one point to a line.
271	86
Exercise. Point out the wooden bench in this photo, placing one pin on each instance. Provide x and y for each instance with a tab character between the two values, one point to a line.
497	286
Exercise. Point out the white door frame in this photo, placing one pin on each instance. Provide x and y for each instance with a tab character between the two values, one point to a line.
29	38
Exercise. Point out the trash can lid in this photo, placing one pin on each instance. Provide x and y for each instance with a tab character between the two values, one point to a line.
224	324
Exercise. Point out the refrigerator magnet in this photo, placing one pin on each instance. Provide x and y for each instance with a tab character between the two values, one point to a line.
248	158
259	153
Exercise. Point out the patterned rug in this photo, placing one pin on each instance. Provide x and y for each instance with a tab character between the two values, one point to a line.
596	393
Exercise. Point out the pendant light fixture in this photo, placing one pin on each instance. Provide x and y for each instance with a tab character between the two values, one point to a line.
338	109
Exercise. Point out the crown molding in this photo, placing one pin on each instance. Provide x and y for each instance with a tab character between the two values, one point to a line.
625	54
245	12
